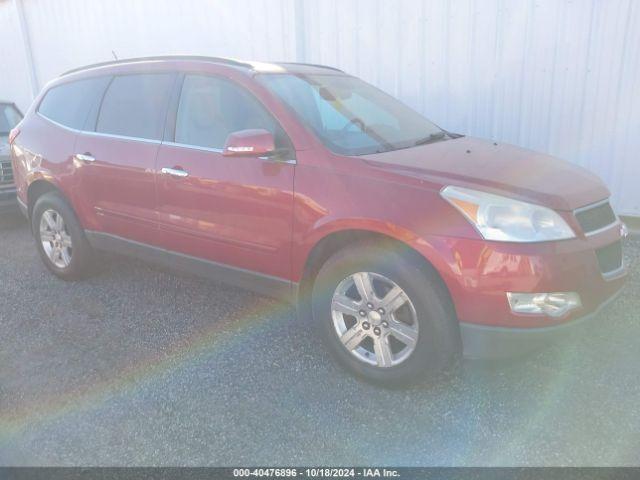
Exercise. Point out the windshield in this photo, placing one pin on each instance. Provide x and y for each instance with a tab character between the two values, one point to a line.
350	116
9	118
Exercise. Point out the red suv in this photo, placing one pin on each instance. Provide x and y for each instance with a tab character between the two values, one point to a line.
406	244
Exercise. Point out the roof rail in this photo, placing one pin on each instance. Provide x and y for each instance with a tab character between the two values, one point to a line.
226	61
311	65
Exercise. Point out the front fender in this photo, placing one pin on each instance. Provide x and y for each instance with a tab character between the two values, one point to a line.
435	249
328	201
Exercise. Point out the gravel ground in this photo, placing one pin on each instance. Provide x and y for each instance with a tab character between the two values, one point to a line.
139	366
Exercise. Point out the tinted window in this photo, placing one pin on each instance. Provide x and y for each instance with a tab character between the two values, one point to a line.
9	118
211	108
69	103
135	106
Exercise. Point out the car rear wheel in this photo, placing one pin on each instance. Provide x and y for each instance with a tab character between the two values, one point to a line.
60	239
385	317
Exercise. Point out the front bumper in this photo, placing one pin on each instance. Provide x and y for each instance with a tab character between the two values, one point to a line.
487	342
478	275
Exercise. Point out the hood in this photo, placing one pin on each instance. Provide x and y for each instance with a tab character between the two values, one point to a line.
498	168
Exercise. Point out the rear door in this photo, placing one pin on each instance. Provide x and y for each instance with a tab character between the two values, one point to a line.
233	211
116	155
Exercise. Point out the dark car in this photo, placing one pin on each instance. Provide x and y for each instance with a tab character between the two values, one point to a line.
10	116
406	244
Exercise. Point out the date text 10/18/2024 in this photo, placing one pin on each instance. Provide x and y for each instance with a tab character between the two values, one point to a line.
316	472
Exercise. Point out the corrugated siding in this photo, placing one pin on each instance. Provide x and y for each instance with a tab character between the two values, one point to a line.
14	76
559	76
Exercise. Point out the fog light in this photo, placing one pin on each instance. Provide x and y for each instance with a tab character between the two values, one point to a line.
552	304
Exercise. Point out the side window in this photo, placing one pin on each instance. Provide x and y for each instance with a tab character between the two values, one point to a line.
69	103
211	108
135	106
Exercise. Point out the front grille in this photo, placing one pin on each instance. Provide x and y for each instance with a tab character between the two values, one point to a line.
610	257
6	172
596	217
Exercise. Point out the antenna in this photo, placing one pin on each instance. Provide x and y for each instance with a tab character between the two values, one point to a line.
114	55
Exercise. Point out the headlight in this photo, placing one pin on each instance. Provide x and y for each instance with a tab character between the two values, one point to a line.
506	220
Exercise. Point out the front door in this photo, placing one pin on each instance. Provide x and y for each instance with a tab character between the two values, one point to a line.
232	211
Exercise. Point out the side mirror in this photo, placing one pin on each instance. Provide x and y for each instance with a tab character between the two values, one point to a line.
249	143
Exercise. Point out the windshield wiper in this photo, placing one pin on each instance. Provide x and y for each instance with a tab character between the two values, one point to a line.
434	137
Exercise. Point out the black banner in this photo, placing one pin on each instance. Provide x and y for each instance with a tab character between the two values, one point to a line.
399	473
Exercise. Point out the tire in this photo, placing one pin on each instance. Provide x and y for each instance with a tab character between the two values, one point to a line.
422	334
67	237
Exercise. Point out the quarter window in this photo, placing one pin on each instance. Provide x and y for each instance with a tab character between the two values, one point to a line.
211	108
69	103
135	106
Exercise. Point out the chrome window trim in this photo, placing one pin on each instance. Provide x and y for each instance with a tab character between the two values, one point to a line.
613	224
100	134
290	161
193	147
156	142
220	150
121	137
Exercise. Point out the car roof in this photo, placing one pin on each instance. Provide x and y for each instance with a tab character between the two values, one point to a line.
249	66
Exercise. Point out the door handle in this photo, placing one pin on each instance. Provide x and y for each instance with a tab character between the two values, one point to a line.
84	157
174	172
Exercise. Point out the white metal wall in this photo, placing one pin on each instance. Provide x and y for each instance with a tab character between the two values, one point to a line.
559	76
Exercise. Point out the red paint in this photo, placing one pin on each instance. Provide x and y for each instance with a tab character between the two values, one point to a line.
232	210
117	192
13	134
267	217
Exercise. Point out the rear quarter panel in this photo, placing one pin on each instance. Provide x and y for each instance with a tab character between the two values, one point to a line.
42	151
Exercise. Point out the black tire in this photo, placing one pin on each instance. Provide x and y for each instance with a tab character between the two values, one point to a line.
438	347
81	253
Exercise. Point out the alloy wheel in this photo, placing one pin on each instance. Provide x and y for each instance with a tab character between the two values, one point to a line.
374	319
55	239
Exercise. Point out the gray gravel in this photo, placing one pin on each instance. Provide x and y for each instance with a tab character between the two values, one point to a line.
139	366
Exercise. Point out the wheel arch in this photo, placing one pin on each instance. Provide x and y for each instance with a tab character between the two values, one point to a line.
339	239
37	188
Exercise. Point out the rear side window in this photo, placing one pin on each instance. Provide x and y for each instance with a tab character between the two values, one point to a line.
211	108
69	103
135	106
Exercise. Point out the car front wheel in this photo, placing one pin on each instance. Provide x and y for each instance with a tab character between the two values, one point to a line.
384	316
